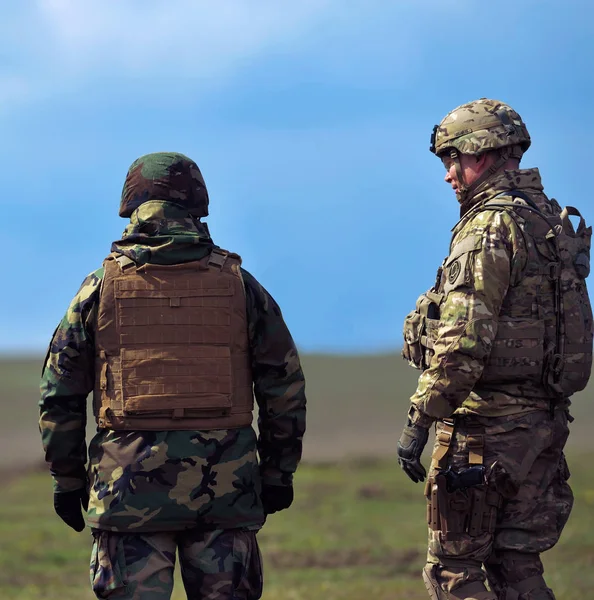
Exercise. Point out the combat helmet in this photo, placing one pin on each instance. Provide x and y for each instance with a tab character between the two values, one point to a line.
476	127
164	176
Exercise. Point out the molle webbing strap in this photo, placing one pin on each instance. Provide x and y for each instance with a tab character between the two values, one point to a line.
444	439
103	372
475	442
107	420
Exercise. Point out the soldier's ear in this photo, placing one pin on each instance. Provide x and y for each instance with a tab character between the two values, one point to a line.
483	160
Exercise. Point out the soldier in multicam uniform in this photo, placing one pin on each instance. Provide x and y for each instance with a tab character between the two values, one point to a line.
174	339
503	338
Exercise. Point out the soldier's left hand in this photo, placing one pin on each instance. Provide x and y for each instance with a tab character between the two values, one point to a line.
276	497
410	447
68	507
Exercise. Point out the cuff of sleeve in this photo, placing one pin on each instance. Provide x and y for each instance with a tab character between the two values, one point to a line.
419	418
272	476
68	484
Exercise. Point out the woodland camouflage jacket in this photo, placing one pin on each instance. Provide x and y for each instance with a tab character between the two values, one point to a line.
469	313
163	480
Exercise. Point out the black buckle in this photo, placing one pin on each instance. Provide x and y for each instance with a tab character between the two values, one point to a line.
553	271
557	363
217	259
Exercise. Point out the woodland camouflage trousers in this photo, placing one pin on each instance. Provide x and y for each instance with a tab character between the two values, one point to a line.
215	565
524	507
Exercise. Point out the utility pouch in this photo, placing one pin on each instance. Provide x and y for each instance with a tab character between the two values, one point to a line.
446	511
420	330
485	504
412	350
470	510
433	517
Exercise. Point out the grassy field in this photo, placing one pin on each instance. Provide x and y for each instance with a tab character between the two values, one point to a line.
355	531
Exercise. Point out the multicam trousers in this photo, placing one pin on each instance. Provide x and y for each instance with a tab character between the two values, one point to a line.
215	565
524	507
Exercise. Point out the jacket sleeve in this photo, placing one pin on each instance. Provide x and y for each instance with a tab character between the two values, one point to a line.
66	381
485	257
279	386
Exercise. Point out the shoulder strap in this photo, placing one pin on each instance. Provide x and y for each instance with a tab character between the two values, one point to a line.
530	206
124	262
553	235
217	258
518	194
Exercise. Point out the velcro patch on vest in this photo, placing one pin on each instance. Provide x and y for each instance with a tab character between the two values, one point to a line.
458	262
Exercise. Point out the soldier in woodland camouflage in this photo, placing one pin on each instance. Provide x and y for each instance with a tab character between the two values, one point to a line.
171	335
503	339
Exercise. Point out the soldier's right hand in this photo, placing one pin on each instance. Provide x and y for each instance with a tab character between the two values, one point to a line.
410	447
68	506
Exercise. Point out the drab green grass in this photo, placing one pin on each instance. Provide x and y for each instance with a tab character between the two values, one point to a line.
355	531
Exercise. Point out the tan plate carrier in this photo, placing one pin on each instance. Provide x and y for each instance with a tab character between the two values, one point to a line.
172	349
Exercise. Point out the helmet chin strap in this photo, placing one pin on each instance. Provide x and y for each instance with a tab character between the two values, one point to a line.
465	192
462	190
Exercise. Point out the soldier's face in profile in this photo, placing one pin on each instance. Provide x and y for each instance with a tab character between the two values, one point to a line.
471	167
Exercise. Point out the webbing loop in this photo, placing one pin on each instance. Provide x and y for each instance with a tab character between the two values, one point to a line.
476	444
124	262
444	439
217	259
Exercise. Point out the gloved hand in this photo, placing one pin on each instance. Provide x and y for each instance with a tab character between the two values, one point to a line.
410	447
68	506
276	497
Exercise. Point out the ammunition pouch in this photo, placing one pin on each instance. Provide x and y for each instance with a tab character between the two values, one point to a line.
457	504
420	330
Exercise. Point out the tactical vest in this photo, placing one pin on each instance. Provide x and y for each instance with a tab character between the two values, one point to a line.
544	330
172	347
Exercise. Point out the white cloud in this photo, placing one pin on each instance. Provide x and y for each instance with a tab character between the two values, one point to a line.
57	46
60	44
141	36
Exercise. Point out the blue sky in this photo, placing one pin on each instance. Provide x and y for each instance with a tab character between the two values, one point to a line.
310	121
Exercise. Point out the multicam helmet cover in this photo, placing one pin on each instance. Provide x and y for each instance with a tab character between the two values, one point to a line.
478	127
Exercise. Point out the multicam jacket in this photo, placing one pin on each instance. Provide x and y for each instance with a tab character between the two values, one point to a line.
171	480
477	285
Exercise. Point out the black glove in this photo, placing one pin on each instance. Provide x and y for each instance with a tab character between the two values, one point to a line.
68	506
410	447
276	497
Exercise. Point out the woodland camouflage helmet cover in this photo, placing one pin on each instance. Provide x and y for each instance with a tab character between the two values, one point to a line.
480	126
164	176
